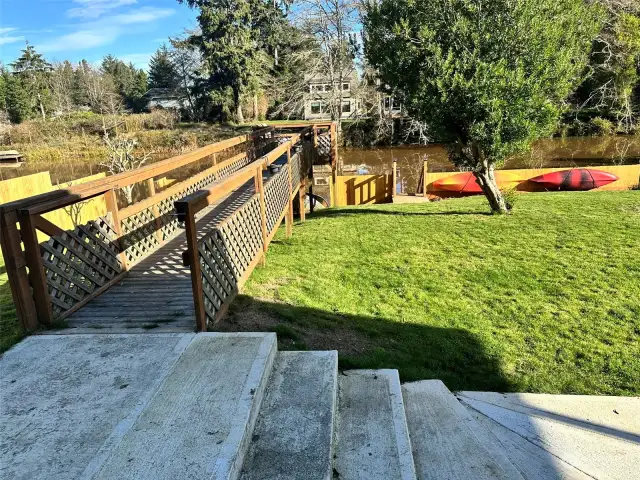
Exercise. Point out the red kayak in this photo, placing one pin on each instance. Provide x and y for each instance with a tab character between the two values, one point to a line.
466	182
576	179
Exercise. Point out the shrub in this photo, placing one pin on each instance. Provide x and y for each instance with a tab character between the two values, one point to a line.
602	126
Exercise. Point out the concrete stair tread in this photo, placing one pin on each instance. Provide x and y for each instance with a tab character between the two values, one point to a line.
447	442
199	422
532	461
293	436
589	436
372	440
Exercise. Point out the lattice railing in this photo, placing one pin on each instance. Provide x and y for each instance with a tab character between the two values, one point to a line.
324	145
296	170
145	232
276	193
227	253
78	262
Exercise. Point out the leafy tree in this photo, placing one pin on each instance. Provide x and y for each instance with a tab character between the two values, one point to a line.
17	101
237	43
487	77
34	71
615	67
162	71
130	82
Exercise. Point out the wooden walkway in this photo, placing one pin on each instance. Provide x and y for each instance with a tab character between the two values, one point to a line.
172	260
156	294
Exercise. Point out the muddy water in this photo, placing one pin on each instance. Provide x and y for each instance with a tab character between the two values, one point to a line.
554	152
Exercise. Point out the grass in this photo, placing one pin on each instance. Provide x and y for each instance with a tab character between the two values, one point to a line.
544	300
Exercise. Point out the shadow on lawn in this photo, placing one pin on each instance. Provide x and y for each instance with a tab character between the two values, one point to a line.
341	212
418	351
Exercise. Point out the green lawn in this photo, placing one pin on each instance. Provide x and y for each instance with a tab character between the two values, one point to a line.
544	300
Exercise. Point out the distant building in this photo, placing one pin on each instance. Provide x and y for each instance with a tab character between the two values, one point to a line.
165	98
320	90
318	95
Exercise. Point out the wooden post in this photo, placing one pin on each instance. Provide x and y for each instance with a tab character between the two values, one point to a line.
194	265
301	195
289	215
37	277
112	208
315	136
15	264
424	178
334	147
394	179
263	210
151	187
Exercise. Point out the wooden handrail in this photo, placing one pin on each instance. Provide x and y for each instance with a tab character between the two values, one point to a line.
203	198
53	200
177	188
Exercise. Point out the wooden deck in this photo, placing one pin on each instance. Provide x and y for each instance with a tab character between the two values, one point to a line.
156	294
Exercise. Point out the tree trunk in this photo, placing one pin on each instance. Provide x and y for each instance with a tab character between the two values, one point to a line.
487	181
256	115
238	105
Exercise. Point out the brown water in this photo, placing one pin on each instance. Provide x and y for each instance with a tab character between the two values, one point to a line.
553	152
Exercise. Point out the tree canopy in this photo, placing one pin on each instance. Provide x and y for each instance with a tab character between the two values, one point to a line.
487	77
162	70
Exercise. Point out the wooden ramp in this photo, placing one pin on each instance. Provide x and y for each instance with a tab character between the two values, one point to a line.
173	256
156	294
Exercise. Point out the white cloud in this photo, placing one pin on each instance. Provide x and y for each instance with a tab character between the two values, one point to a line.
80	40
141	15
96	8
105	30
5	40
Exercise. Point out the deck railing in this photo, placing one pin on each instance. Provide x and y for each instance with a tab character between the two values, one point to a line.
222	257
51	279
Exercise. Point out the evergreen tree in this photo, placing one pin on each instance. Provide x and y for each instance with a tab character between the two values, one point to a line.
34	70
162	71
80	84
18	103
236	41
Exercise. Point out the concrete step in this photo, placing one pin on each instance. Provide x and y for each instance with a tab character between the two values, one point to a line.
447	442
562	436
293	437
199	423
372	440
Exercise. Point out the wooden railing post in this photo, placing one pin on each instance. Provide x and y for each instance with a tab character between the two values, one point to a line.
37	277
151	187
193	254
263	209
424	178
289	215
315	136
301	195
111	200
394	179
334	148
15	263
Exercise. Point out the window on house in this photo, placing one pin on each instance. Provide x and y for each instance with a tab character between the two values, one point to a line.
346	87
327	87
387	103
346	107
316	107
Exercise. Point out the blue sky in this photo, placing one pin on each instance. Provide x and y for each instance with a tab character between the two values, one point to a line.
90	29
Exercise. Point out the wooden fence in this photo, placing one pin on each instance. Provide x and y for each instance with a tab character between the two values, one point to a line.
222	257
52	279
